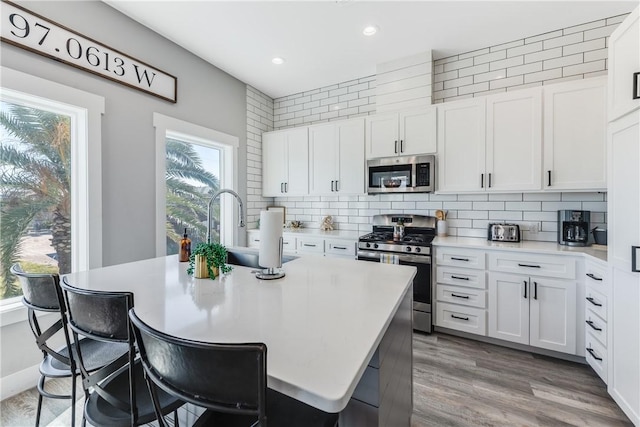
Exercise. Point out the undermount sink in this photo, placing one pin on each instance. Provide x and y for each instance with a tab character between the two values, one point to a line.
245	257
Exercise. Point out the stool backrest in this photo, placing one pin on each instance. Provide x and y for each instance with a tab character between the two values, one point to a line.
39	291
222	377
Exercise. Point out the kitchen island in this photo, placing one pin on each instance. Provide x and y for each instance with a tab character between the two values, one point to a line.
338	331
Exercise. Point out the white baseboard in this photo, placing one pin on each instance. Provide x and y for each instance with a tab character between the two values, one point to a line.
19	381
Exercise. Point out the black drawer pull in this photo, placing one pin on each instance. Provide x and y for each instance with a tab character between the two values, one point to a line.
458	317
535	290
593	354
592	301
599	279
309	245
460	296
256	240
460	259
528	265
459	277
340	247
285	243
595	328
525	288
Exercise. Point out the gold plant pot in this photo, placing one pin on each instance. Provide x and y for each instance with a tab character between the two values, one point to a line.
200	270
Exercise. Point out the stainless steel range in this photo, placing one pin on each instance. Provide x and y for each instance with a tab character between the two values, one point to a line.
409	237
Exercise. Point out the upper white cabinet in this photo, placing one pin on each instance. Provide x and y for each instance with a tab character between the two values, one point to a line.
624	64
491	144
575	122
514	141
406	133
336	158
461	143
285	157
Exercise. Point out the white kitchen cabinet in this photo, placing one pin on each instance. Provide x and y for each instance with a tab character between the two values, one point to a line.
491	144
623	236
514	141
575	123
460	290
406	133
623	63
461	146
336	158
285	159
531	310
288	242
296	242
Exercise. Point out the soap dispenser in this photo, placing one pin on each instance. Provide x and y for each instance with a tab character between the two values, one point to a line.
185	247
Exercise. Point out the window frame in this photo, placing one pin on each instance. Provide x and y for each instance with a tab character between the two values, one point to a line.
86	110
167	126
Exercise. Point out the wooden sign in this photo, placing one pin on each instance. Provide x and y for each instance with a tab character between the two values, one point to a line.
35	33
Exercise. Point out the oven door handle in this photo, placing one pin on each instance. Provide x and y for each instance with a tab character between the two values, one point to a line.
416	259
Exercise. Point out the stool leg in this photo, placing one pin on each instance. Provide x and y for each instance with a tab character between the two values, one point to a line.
40	387
73	399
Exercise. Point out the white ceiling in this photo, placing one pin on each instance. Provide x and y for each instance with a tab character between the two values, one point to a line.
322	41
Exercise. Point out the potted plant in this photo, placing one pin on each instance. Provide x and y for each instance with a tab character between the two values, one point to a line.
207	260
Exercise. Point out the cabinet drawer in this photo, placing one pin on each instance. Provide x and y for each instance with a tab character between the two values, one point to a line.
467	319
461	277
596	302
596	326
288	244
596	355
533	264
340	247
310	245
596	276
467	258
253	239
459	295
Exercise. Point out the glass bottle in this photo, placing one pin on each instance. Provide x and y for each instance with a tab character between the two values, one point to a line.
185	247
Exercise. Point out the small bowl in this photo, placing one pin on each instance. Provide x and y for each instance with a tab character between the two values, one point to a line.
391	183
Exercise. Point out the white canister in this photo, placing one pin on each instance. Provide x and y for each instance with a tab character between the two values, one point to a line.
442	228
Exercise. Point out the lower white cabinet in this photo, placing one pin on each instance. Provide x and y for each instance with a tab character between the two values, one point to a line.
533	310
301	243
466	319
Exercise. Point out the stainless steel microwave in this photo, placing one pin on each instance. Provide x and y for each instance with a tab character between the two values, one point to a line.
404	174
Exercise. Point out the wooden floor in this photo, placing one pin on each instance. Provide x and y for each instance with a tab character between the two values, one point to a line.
457	382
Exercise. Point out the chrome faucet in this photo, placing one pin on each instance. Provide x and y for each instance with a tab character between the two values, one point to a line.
215	196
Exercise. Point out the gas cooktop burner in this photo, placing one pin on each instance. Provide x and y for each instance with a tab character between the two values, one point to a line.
384	237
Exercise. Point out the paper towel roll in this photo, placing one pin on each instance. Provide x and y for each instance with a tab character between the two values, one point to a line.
270	235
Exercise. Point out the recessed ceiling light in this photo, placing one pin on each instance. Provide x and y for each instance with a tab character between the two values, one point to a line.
370	30
277	60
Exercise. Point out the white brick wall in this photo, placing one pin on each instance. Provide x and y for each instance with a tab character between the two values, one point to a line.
467	215
571	53
259	120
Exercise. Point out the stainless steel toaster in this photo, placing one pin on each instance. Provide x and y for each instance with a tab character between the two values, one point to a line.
504	233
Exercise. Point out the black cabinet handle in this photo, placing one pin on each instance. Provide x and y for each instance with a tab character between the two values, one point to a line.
256	240
592	301
458	317
481	180
459	277
634	259
460	259
489	179
337	189
460	296
332	185
548	178
528	265
401	148
593	353
286	187
535	290
599	279
285	243
595	328
395	150
340	247
525	288
282	187
309	245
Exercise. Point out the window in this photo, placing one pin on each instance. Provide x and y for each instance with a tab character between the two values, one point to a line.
50	178
192	162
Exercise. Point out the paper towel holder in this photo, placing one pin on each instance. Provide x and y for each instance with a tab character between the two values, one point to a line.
273	272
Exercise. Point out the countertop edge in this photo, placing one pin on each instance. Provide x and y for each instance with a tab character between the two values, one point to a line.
594	252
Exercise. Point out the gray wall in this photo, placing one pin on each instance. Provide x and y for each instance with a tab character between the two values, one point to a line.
207	96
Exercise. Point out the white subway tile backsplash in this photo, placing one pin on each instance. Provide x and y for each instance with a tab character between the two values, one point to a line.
587	67
540	216
594	206
556	206
523	50
505	215
503	83
583	47
473	197
563	40
563	61
488	206
428	205
523	206
544	36
584	27
511	197
473	214
543	75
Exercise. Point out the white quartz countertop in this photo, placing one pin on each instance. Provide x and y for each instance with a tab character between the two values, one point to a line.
598	252
321	323
338	234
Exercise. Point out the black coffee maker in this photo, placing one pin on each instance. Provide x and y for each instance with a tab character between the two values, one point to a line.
573	227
